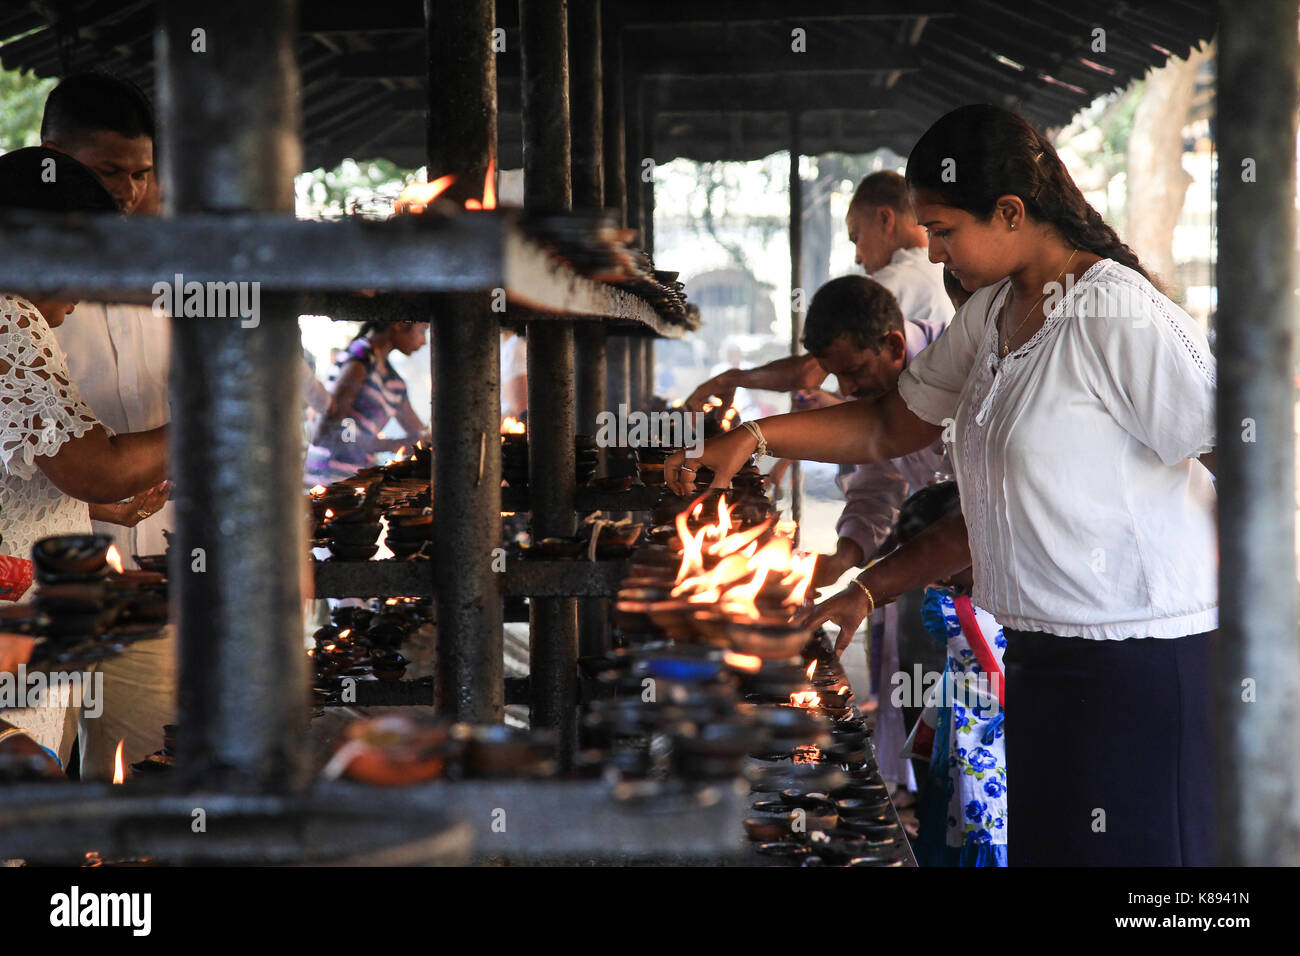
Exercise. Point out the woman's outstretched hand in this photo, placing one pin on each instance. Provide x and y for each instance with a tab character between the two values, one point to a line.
847	610
725	454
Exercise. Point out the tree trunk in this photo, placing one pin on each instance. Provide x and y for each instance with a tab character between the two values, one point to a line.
1157	181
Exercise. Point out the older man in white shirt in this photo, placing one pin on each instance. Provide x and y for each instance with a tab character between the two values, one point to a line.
119	356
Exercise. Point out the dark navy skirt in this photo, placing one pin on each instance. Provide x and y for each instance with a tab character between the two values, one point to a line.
1109	751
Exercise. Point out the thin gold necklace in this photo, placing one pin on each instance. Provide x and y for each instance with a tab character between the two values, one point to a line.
1006	342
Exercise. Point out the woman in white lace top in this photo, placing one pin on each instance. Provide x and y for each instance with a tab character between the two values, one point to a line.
57	461
56	458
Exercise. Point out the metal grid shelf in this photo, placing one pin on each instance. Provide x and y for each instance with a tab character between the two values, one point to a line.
106	258
415	578
637	498
559	820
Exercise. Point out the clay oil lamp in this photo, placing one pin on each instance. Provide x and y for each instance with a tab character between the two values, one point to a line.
651	473
768	827
714	750
354	533
612	484
784	852
775	680
388	665
673	618
632	617
568	548
495	750
409	529
617	542
71	557
394	751
151	562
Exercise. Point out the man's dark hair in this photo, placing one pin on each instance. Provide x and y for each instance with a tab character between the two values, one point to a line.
885	188
85	102
855	306
49	181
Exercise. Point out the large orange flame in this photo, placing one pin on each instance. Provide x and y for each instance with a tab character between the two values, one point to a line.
740	567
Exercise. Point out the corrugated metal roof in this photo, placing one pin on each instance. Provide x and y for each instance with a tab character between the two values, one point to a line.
720	78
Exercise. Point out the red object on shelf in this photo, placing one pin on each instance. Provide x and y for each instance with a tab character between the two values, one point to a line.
15	577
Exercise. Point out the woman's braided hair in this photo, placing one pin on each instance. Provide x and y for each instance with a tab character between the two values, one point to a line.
977	153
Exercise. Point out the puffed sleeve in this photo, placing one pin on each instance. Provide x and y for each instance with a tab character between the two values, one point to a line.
1153	371
932	382
40	407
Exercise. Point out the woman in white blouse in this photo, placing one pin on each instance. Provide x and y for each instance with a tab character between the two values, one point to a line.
1078	404
57	461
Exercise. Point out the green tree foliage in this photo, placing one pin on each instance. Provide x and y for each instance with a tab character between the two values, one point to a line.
22	99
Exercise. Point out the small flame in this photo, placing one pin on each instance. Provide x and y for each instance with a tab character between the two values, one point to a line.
748	663
513	426
811	667
114	558
729	419
119	772
329	512
317	491
805	698
344	633
401	454
489	189
416	196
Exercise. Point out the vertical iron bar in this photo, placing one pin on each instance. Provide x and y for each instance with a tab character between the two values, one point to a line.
636	371
619	373
232	116
588	128
612	101
632	154
1257	732
796	300
647	108
553	643
462	135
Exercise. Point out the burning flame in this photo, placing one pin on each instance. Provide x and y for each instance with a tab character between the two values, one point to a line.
401	454
317	491
727	567
748	663
343	634
489	189
329	512
114	558
513	426
805	698
119	772
729	419
416	196
811	667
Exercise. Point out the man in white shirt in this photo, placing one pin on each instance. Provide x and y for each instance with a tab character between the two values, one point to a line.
119	357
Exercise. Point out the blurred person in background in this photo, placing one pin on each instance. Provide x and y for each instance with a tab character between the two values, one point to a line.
365	393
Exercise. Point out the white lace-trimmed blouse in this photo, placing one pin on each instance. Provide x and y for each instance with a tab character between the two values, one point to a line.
1086	514
40	409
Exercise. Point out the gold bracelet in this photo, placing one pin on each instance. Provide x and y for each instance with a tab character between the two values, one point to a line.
871	601
760	450
11	732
